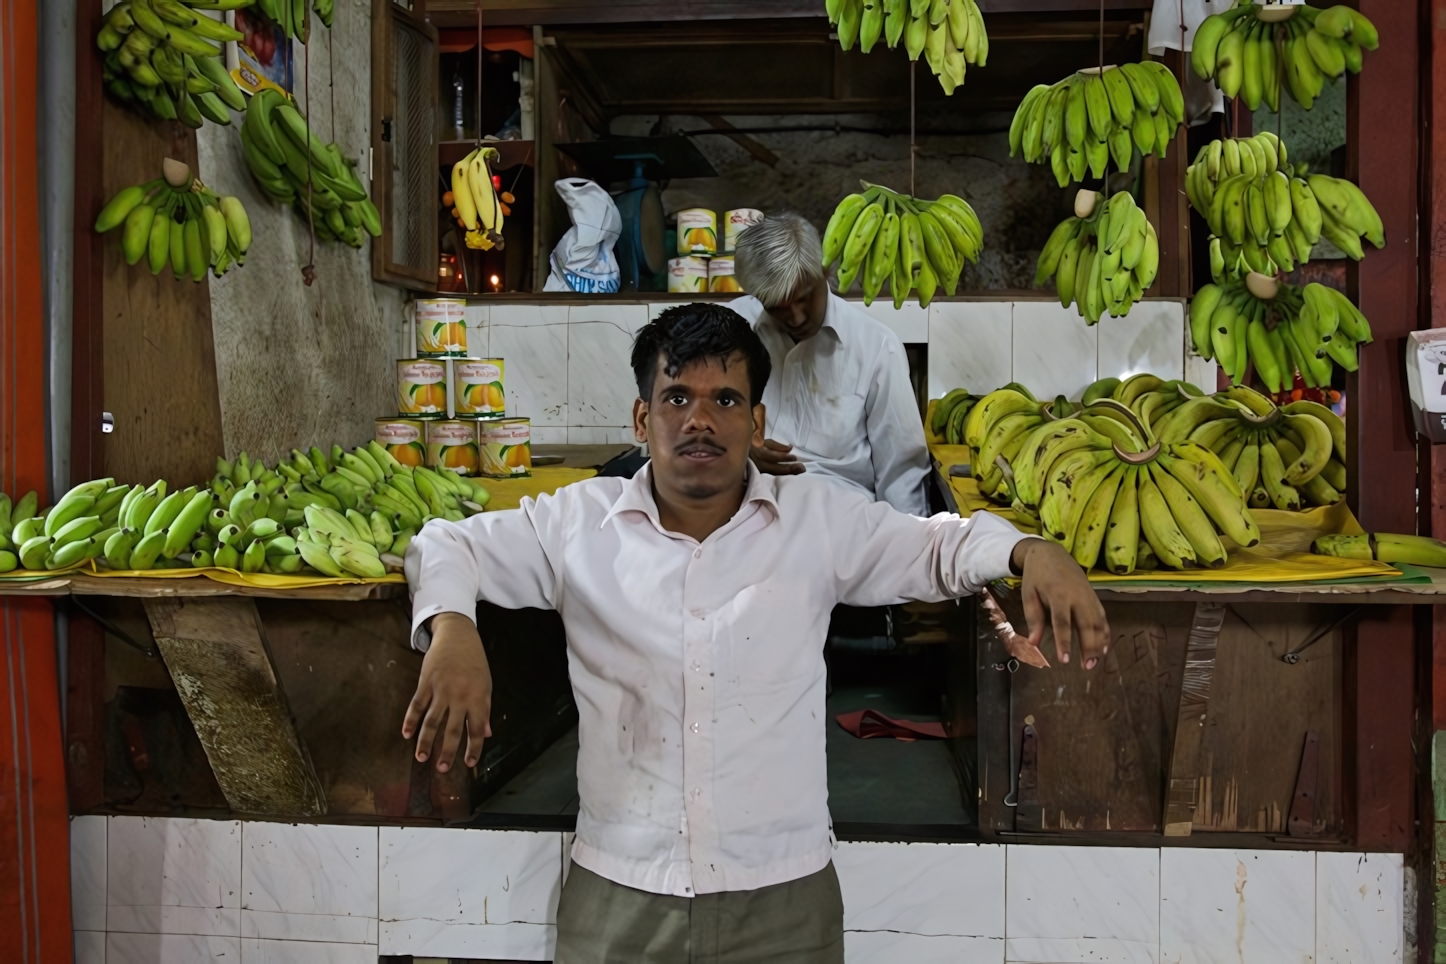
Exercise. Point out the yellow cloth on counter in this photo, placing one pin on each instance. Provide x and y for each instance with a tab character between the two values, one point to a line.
547	479
1283	554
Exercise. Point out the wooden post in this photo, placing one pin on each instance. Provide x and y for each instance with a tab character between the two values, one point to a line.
217	654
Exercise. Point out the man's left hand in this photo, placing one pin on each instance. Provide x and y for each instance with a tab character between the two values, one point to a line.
1054	583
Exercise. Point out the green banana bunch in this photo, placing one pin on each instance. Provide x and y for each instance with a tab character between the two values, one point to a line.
292	165
1248	49
290	15
167	61
1299	330
1082	122
949	33
1266	215
946	417
326	10
913	244
176	220
1103	262
1286	456
1098	479
1387	547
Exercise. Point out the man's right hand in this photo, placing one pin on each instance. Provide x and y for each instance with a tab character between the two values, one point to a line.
775	458
454	690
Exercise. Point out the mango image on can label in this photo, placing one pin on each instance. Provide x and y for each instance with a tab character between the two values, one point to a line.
421	387
504	448
441	327
697	231
477	388
403	439
688	275
452	446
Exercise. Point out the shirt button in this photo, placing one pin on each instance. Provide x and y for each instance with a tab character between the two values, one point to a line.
697	553
694	727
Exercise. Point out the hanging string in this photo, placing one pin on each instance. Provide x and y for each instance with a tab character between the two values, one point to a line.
479	73
1185	137
1101	67
913	148
308	271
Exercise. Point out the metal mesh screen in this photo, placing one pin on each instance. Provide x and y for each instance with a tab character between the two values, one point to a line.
413	202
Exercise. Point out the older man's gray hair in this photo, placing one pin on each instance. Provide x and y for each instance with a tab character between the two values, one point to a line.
777	256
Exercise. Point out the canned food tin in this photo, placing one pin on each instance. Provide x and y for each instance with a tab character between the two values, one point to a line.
404	439
452	446
422	388
477	388
688	275
697	231
720	275
441	327
504	448
734	222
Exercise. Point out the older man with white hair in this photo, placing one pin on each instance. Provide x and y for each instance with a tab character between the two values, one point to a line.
839	403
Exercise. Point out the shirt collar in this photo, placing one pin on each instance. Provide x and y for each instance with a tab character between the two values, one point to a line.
832	320
637	496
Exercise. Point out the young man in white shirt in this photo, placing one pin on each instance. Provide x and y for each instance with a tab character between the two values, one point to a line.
840	402
696	596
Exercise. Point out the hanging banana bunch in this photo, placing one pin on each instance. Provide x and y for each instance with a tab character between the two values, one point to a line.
1083	121
1247	49
1103	486
290	15
913	244
292	165
1104	259
1266	215
176	220
478	204
1279	328
1286	457
165	60
949	33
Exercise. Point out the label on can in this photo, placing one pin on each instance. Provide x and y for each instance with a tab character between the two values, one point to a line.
505	448
733	224
688	275
477	388
697	231
452	446
720	275
403	439
421	388
441	327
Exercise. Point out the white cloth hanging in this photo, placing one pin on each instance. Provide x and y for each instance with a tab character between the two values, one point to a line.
1166	23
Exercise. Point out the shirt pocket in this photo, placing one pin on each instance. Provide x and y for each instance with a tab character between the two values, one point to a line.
771	638
836	424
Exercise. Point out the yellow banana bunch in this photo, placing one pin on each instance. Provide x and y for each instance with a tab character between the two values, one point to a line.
1082	122
176	220
1266	215
949	33
1305	330
166	60
1287	457
1247	50
915	245
475	195
1387	547
1104	261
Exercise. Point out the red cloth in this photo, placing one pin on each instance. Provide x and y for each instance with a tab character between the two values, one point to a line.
866	724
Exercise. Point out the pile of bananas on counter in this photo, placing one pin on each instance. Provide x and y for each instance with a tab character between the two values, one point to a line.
949	33
1265	216
913	244
1246	50
165	59
344	514
1104	258
1279	328
292	165
476	199
1079	123
175	220
1285	457
1104	487
1388	547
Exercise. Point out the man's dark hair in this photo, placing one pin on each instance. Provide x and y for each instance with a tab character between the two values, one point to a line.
690	333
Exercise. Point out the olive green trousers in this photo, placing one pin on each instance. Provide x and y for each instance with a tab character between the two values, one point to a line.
797	922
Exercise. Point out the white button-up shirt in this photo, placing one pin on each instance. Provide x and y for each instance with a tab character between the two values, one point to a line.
843	400
698	667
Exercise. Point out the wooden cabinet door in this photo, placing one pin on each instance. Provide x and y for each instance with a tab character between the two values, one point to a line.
404	144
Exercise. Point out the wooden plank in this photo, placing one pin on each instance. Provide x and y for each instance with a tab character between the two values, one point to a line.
87	393
85	689
159	359
217	655
200	586
1183	782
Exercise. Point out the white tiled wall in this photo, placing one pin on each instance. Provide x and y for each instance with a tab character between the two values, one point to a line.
180	891
569	367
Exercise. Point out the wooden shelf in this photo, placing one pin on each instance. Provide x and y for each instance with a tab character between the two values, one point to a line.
513	153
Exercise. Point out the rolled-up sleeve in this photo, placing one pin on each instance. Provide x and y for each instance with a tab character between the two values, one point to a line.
884	557
495	556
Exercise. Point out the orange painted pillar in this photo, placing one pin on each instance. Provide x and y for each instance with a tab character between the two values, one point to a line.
34	825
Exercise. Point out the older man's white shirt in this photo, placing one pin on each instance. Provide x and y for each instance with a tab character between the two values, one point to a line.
843	400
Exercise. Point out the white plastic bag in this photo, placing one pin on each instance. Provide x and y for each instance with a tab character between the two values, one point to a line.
583	260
